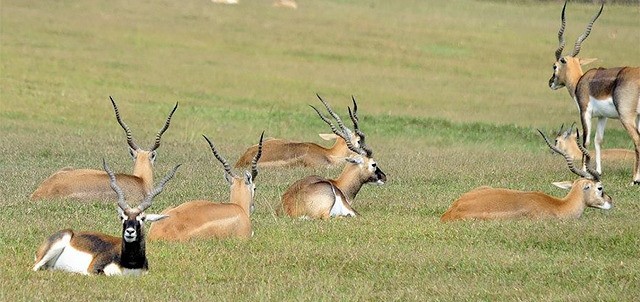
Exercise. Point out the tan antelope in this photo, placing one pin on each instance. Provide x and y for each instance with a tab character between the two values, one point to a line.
286	4
205	219
486	203
93	253
286	153
567	141
600	92
318	197
94	184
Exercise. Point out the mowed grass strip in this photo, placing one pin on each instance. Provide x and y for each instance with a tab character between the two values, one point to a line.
450	96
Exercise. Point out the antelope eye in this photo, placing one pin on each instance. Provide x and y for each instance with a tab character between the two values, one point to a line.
555	67
563	61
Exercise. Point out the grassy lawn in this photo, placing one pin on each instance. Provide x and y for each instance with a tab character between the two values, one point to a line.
450	95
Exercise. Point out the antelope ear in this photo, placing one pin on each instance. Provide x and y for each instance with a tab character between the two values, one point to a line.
355	160
228	177
563	184
328	136
248	179
587	61
155	217
133	153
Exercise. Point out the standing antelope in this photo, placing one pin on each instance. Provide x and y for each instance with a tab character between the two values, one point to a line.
318	197
567	141
600	92
488	203
205	219
285	153
90	184
92	253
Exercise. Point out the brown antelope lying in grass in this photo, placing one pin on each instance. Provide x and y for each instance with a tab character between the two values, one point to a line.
318	197
600	92
487	203
286	3
285	153
205	219
567	141
94	184
97	253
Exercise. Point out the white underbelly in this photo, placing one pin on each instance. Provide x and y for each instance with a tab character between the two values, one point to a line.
73	260
339	208
603	108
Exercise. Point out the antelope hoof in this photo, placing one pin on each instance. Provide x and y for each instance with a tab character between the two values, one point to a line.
635	182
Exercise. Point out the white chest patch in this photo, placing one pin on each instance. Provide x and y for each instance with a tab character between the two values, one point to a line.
73	260
339	207
602	108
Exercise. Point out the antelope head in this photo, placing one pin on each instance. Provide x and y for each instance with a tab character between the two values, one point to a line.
369	172
589	183
567	69
566	140
133	218
242	187
139	155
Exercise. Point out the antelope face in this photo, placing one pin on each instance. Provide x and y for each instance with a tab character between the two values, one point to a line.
558	78
596	197
566	141
370	169
133	223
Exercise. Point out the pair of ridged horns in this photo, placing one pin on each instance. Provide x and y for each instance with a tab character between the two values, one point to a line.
148	200
344	132
580	39
225	164
124	126
590	173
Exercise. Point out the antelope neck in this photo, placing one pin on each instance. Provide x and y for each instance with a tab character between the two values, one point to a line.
132	255
349	182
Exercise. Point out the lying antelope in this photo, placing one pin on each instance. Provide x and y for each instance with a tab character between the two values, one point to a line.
318	197
205	219
93	253
600	92
488	203
94	184
285	153
567	141
286	3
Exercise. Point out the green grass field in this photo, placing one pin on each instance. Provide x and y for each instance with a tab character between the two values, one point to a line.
450	95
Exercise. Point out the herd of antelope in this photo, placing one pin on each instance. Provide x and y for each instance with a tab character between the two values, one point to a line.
602	93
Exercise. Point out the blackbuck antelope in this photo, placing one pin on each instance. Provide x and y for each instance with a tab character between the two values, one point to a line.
318	197
567	141
285	153
600	92
94	184
205	219
92	253
486	203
